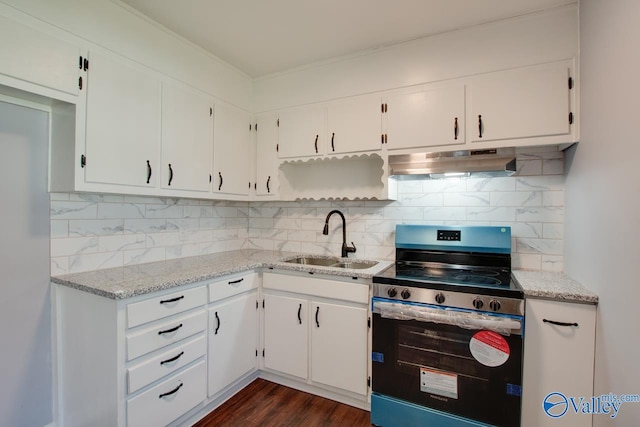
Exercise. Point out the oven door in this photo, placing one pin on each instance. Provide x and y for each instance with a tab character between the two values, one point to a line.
456	362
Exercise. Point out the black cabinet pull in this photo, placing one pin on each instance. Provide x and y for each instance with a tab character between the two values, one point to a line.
83	161
233	282
173	359
168	331
167	301
85	64
80	63
170	174
169	393
455	128
553	322
299	314
220	186
316	144
218	323
317	312
148	171
480	126
333	135
80	82
268	189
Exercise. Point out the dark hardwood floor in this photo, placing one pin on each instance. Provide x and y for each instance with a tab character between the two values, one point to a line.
263	403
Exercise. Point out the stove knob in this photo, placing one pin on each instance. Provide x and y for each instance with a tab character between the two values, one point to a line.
440	298
392	292
494	305
478	303
405	294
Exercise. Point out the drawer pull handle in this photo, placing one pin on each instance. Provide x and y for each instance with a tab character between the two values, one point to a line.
317	312
233	282
168	331
167	301
173	359
218	325
553	322
299	311
169	393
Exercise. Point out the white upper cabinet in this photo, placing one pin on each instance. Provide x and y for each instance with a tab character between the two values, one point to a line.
354	125
267	155
521	103
38	58
431	116
231	142
187	139
302	132
122	123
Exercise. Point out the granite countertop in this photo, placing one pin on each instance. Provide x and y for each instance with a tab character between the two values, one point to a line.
126	282
553	286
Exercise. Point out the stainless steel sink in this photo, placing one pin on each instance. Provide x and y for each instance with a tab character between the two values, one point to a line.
332	262
312	261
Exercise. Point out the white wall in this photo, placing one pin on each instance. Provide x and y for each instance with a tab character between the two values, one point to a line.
531	39
107	24
603	194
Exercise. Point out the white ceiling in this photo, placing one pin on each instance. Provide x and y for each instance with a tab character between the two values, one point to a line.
261	37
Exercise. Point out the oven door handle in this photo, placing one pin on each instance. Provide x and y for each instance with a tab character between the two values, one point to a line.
462	319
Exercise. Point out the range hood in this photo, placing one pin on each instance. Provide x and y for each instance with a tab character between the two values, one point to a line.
477	163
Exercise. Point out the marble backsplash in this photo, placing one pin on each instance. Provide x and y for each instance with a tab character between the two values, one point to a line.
95	231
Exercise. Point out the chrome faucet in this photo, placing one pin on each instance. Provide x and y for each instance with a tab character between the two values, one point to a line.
345	249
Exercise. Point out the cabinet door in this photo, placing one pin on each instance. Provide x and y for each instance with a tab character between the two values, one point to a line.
339	346
286	335
267	155
429	117
233	326
231	142
122	123
187	139
521	103
354	125
302	132
557	358
38	58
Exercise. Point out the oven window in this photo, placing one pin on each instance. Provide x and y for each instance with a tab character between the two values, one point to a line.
432	365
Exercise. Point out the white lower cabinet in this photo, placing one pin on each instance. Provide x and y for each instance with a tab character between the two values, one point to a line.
233	330
132	362
558	362
316	329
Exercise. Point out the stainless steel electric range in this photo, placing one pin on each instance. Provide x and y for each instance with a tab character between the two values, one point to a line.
448	324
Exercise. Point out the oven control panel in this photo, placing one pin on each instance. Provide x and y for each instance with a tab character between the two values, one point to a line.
449	235
470	301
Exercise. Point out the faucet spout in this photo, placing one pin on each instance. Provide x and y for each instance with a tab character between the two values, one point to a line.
346	250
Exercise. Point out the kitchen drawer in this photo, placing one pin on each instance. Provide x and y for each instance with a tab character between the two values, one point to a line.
168	362
233	285
170	399
164	333
165	305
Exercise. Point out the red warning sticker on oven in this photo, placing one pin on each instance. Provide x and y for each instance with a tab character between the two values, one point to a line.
489	348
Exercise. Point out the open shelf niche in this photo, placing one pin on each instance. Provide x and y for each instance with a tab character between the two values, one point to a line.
356	177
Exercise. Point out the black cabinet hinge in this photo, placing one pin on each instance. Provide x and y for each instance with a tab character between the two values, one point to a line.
369	323
570	83
368	381
570	118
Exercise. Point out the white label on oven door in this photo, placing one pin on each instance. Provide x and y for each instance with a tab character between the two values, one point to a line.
489	348
438	382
